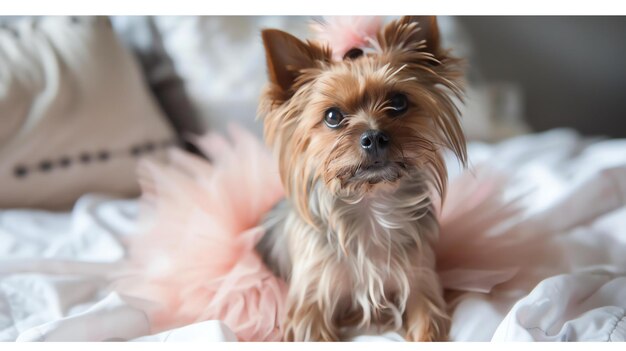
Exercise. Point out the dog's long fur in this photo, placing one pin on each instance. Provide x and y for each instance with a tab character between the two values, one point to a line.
357	246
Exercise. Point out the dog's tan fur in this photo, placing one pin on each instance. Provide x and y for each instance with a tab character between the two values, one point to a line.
358	251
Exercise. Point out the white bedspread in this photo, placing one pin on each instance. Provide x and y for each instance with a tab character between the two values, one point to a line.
53	266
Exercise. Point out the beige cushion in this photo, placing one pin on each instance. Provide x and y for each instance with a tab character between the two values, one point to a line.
75	114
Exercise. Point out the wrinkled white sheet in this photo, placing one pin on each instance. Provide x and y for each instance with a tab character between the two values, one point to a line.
53	266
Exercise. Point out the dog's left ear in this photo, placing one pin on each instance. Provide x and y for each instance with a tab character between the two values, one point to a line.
287	56
413	34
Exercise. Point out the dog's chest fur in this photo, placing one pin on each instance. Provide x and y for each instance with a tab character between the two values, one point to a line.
363	256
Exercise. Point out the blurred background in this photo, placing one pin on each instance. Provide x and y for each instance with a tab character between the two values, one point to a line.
571	71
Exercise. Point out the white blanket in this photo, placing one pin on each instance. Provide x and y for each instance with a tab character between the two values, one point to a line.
53	266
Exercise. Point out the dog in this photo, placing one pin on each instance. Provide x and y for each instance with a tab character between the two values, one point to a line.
360	143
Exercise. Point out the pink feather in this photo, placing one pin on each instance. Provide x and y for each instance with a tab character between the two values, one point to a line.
343	33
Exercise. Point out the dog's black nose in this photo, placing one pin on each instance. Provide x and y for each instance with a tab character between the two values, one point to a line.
374	141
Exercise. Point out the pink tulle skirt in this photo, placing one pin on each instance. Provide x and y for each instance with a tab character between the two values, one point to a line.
196	260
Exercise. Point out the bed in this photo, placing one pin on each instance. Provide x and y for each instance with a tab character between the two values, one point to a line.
54	266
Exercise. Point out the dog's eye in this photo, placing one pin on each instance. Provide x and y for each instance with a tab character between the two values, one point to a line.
398	104
333	117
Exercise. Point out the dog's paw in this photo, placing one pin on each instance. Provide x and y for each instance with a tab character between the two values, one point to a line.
307	327
428	328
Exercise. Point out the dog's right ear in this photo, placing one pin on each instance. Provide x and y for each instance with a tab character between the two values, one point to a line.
287	56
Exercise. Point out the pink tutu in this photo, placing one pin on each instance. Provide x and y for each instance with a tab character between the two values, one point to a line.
196	261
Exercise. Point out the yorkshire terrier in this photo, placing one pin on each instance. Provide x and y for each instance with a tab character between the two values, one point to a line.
359	143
